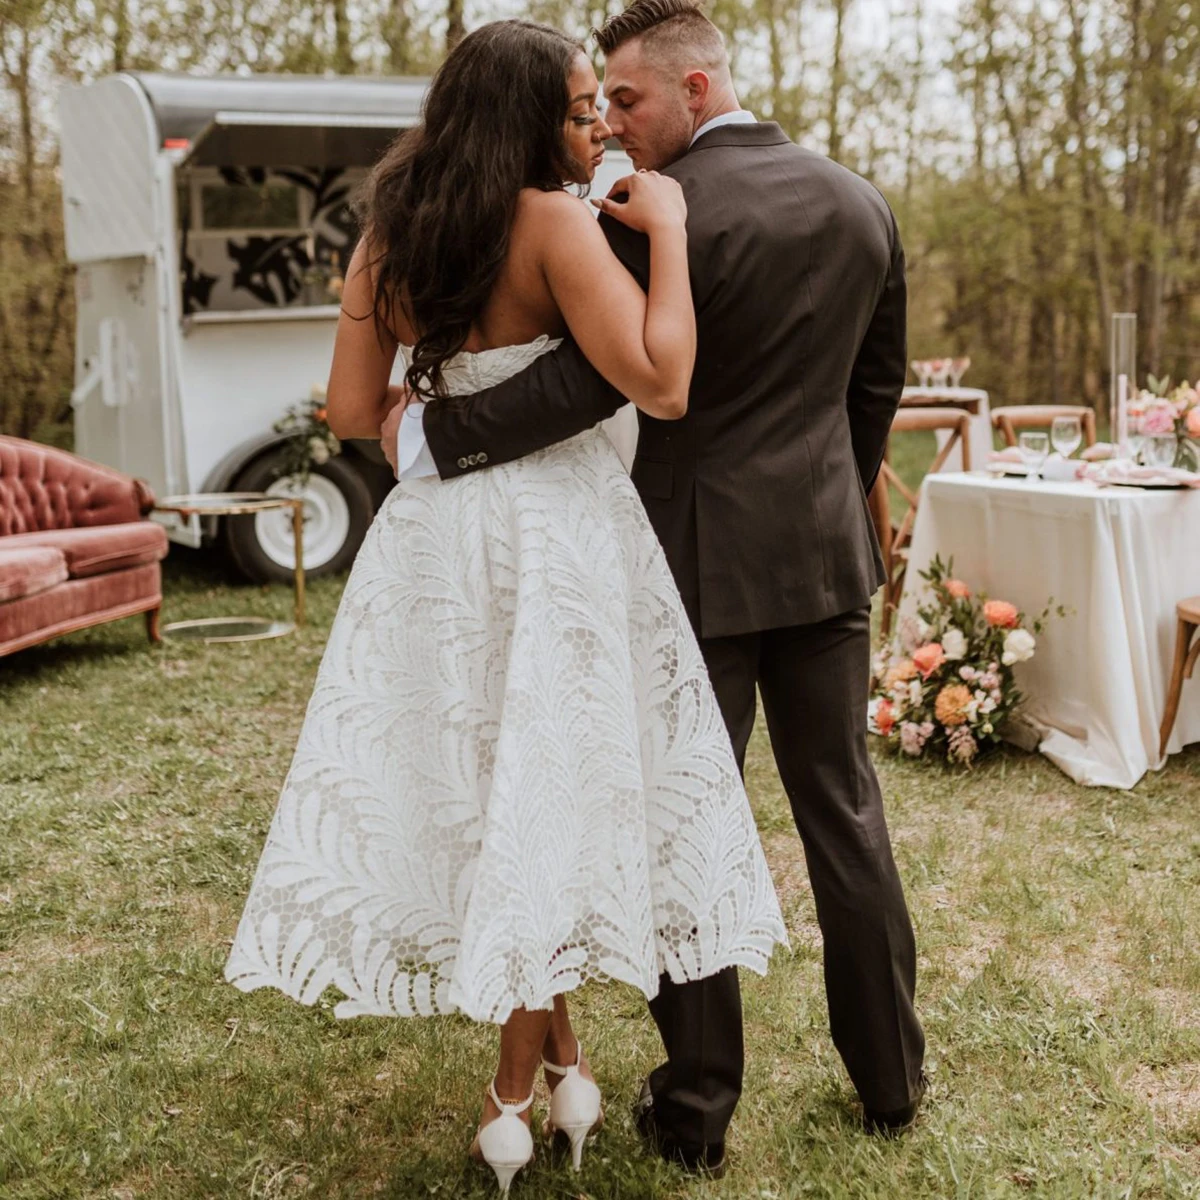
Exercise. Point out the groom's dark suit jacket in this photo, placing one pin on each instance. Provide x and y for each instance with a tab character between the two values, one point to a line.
759	494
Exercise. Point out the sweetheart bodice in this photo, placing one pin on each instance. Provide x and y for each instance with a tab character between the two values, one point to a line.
474	370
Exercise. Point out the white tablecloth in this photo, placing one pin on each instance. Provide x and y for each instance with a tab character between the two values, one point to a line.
1121	558
981	423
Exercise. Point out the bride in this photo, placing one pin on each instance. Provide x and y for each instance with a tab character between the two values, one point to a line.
512	775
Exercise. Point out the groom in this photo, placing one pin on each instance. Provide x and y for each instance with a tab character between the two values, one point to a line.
759	497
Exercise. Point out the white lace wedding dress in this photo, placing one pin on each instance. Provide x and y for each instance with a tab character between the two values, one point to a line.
512	775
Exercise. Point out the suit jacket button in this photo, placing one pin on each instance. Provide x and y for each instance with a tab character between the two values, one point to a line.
462	463
472	459
481	458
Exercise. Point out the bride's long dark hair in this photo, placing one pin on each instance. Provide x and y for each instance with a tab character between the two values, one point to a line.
438	208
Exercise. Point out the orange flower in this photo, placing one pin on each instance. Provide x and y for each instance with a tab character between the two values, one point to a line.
958	589
1001	613
929	658
900	672
320	414
950	707
885	717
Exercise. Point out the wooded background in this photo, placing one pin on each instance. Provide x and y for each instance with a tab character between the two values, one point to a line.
1041	157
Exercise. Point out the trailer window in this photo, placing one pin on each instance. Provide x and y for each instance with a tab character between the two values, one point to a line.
239	206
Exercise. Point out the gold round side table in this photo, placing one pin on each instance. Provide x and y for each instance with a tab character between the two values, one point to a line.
236	504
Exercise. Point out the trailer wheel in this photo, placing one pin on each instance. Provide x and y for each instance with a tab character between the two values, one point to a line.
337	514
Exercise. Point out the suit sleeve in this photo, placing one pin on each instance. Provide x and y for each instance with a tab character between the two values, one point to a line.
558	396
877	377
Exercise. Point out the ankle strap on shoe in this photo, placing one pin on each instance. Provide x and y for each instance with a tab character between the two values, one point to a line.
555	1069
504	1106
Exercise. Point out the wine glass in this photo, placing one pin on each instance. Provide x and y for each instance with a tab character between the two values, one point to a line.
1034	449
1066	434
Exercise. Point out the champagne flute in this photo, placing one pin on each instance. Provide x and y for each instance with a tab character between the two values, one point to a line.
1066	434
1034	449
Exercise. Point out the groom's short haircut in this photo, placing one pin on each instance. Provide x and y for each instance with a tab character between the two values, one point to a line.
668	30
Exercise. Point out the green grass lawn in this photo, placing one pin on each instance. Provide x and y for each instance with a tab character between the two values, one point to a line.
1057	927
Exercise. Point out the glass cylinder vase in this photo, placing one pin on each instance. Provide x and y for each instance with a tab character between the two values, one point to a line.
1123	374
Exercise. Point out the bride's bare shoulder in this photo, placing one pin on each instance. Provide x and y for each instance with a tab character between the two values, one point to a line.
545	217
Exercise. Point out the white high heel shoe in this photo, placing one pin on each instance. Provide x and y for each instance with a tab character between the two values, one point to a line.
575	1107
505	1144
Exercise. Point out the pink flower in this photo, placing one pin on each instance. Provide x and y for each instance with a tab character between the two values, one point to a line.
885	717
988	680
1159	419
1001	614
958	589
913	737
1193	422
962	745
929	658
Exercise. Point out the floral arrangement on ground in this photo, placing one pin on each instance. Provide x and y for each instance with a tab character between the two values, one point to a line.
310	442
944	686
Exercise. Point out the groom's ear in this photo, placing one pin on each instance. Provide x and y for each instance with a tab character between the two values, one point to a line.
697	84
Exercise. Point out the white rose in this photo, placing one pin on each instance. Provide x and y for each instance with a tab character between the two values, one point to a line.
915	693
954	644
1019	646
317	393
318	451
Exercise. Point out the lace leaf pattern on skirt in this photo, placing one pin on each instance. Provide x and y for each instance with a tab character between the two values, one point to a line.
512	775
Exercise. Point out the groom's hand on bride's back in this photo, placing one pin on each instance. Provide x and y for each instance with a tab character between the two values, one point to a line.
389	431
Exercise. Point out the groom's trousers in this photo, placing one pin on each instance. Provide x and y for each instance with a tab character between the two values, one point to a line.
814	681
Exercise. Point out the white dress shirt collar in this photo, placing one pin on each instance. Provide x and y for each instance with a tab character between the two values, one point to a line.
739	116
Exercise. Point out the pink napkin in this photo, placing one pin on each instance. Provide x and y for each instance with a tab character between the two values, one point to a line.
1120	470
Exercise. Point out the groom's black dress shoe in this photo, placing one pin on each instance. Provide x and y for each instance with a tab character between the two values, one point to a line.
899	1120
704	1160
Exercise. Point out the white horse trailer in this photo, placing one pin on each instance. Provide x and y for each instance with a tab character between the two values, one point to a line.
208	219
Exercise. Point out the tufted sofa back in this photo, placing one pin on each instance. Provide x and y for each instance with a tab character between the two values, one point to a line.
43	488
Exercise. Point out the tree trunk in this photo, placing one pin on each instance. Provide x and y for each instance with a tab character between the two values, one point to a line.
455	29
397	32
836	79
775	44
24	86
1094	201
343	56
913	102
120	50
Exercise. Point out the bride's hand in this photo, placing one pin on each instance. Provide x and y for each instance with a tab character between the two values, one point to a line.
653	202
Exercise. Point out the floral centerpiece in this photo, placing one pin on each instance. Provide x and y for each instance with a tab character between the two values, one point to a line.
944	685
1160	410
310	442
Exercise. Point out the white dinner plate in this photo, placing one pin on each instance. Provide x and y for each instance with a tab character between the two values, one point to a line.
1157	487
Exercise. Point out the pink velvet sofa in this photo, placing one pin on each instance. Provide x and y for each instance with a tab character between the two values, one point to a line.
76	548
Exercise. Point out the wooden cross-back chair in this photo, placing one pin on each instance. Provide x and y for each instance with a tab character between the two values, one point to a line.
894	537
1041	416
1186	657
